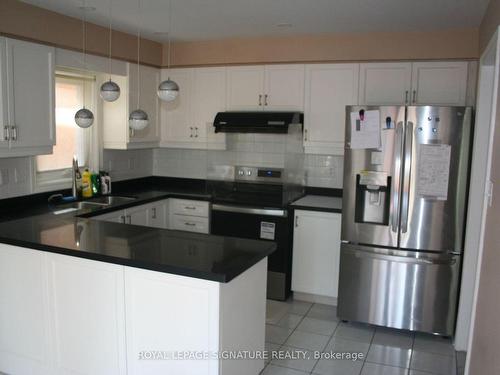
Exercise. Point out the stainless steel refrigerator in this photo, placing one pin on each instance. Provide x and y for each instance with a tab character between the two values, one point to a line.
403	216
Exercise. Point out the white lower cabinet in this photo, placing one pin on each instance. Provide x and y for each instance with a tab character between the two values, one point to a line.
316	253
67	315
87	316
25	346
189	215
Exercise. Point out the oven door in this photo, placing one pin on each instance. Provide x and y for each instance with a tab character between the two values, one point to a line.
266	224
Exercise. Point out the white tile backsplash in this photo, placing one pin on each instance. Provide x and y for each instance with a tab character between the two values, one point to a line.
15	177
126	164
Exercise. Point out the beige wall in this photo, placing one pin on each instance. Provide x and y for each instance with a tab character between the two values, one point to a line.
449	44
489	24
29	22
484	358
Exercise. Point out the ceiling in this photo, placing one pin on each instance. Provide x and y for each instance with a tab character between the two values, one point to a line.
218	19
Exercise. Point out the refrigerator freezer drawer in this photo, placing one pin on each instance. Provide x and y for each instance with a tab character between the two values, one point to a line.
398	289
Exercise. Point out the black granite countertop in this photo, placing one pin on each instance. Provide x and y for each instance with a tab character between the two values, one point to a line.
77	234
318	203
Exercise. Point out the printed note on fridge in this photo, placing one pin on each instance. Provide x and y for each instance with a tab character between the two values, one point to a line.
434	171
365	130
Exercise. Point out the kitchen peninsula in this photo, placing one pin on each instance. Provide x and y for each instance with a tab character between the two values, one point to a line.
89	296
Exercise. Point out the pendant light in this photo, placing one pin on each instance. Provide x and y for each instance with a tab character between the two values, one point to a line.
168	90
138	119
110	91
84	117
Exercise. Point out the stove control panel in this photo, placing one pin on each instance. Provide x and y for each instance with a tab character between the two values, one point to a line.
258	174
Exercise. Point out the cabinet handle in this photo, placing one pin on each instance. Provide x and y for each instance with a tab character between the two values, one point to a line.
196	132
265	99
14	133
154	213
296	221
191	136
414	96
190	224
406	97
260	99
305	135
122	219
6	133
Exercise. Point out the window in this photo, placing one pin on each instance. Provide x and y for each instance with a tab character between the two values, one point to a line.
70	139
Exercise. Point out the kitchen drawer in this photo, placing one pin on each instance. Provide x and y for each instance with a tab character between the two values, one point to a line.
189	207
190	223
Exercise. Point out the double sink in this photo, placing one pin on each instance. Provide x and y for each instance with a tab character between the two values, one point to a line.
103	201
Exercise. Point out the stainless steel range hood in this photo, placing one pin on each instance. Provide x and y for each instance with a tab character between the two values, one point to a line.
256	122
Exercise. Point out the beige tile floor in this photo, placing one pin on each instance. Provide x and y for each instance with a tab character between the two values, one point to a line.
307	329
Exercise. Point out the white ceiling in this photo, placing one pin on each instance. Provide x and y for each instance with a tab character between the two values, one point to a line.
217	19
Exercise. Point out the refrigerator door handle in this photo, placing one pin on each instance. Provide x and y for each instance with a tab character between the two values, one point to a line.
397	177
404	259
405	206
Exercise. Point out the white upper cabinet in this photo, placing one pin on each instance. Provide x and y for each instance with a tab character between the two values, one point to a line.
209	98
439	83
284	88
27	103
316	253
245	88
329	88
187	122
384	83
267	88
116	131
149	81
418	83
176	116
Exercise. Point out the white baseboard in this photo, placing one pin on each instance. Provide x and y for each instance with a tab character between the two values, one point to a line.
314	298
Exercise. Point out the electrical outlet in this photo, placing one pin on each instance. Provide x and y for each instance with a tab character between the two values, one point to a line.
4	176
489	193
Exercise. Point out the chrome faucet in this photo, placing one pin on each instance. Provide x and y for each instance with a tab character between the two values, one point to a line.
75	175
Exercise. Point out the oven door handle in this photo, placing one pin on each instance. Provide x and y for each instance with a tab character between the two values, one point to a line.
250	210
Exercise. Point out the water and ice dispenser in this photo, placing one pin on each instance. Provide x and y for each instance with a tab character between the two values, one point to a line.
372	197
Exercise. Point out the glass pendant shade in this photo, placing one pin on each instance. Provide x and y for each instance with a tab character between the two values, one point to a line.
168	90
138	119
110	91
84	118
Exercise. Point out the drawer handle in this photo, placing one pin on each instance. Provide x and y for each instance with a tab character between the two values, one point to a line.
190	224
190	208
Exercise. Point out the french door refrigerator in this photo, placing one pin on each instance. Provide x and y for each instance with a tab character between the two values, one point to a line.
403	216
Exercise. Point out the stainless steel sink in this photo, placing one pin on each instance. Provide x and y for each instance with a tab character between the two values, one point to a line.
103	201
109	200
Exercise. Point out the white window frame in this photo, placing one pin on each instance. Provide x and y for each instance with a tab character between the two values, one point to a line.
62	178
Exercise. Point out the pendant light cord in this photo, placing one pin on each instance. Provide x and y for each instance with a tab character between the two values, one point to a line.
84	44
169	32
138	53
110	36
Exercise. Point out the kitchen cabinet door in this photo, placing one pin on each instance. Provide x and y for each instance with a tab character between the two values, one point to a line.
385	83
245	88
149	81
158	212
24	315
176	116
284	87
31	93
329	88
137	215
316	253
4	118
209	98
114	217
88	316
439	83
